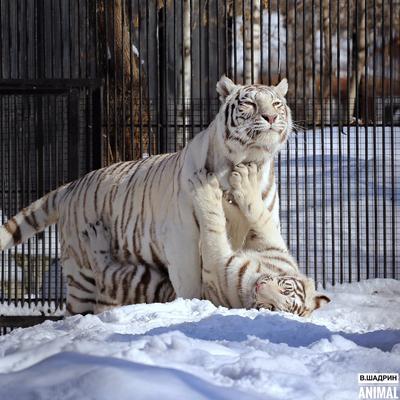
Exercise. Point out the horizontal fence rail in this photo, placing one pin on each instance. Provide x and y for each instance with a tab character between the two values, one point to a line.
133	78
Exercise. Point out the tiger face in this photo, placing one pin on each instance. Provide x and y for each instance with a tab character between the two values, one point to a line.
257	119
292	294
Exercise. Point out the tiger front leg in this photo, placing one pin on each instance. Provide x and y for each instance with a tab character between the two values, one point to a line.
247	194
214	243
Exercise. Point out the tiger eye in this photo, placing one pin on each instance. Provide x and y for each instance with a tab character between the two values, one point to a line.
276	103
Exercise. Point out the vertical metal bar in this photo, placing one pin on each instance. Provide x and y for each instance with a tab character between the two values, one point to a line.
279	78
340	128
132	126
10	179
28	170
305	144
24	146
140	78
191	68
349	222
18	28
13	112
121	100
46	252
61	39
208	62
269	39
73	134
314	147
77	18
366	138
322	83
200	66
149	116
69	8
252	41
261	77
332	186
165	81
183	102
357	105
287	145
88	49
218	34
97	147
383	78
296	140
175	80
392	144
55	184
20	146
158	69
244	41
374	138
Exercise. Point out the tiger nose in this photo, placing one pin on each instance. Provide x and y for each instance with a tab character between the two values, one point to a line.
270	118
259	285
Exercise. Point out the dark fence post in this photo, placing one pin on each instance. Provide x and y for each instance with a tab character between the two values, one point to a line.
97	132
73	134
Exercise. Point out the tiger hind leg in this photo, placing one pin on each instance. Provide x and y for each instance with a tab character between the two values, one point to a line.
119	284
81	288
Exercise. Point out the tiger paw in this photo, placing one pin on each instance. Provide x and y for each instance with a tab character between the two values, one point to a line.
246	190
205	187
207	198
97	238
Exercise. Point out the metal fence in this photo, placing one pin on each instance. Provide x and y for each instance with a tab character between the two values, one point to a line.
135	78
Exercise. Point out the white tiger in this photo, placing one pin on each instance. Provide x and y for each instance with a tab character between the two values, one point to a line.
263	275
147	204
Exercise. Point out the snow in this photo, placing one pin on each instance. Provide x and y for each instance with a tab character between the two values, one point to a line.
19	309
189	349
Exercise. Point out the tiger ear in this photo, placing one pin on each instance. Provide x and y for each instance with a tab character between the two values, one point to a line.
225	87
282	87
321	300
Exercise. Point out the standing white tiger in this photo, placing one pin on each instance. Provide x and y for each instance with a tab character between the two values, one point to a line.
147	204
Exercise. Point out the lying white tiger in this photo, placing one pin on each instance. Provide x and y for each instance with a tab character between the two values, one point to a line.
147	204
262	276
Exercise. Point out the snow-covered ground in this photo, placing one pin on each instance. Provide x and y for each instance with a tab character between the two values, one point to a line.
193	350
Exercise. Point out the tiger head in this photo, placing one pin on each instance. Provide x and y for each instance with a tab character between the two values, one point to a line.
257	120
294	294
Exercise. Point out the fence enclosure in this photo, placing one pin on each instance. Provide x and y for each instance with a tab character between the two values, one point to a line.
86	83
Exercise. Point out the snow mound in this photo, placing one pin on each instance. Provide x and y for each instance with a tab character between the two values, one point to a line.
189	349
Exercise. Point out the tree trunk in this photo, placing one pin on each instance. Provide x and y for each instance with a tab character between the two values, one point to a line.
186	65
121	66
359	54
252	43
